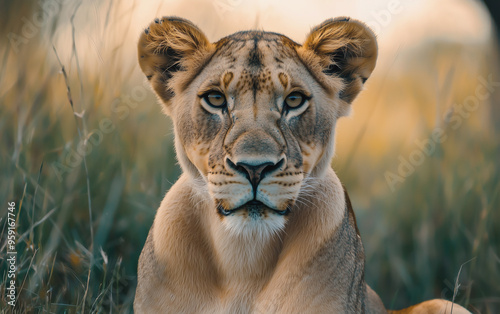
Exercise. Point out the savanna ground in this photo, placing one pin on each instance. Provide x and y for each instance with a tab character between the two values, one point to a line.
87	167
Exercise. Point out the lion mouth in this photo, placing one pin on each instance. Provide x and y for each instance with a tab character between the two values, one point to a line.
253	207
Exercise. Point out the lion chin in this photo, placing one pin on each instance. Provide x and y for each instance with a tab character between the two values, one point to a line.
253	219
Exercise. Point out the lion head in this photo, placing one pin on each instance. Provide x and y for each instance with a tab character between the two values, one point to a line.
254	113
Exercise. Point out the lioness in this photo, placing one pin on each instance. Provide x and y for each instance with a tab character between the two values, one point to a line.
258	222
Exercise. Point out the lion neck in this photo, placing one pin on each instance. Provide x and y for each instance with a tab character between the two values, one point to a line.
243	256
246	257
204	259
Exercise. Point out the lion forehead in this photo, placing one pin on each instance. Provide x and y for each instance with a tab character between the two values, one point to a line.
251	60
256	46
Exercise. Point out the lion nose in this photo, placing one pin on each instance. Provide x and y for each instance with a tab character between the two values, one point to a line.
255	173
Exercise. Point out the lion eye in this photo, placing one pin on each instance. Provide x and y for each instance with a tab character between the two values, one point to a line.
295	100
215	99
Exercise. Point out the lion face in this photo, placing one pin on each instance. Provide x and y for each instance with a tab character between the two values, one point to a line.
254	114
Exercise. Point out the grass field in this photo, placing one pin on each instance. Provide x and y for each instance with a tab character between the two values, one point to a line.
88	167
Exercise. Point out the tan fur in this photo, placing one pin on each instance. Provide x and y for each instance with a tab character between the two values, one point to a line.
258	222
433	306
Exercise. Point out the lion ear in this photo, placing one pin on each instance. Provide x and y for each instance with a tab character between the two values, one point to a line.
346	48
169	45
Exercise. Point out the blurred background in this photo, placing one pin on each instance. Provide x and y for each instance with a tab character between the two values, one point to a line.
87	154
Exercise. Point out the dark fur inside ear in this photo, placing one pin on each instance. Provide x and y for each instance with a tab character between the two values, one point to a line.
167	46
161	71
347	49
